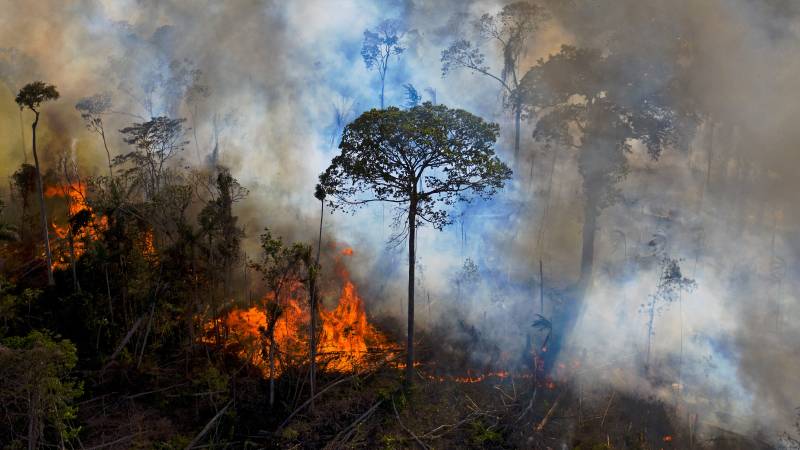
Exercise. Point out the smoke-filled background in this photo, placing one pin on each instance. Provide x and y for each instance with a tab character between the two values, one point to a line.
267	86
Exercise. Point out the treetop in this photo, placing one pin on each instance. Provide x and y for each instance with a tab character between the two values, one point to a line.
33	94
431	155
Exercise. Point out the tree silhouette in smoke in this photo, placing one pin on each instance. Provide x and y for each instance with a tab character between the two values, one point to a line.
380	45
510	29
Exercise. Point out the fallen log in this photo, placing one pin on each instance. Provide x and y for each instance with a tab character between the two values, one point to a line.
206	428
422	444
345	434
549	414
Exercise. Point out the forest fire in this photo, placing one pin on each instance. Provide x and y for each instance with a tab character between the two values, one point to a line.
81	220
345	337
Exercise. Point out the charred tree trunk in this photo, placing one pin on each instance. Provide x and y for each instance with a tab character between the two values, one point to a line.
33	421
108	293
42	210
271	357
22	138
75	284
412	229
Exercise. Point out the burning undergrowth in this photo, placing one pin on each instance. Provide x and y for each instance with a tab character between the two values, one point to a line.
72	233
346	338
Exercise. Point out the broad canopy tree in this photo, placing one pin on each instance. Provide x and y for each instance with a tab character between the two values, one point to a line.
601	105
423	160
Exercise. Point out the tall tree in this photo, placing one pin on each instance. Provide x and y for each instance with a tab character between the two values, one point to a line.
319	194
31	96
599	105
220	227
422	160
510	29
92	109
380	45
155	142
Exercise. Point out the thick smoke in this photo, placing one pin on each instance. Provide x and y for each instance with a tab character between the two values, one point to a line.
276	73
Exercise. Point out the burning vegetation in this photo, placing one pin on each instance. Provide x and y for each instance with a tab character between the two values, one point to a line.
345	340
565	239
81	226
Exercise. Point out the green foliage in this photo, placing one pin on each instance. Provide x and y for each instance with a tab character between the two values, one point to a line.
483	435
36	389
176	442
600	446
428	157
281	264
13	305
290	434
34	94
8	232
217	222
391	442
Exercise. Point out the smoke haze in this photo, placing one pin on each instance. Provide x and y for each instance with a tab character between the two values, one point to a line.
276	72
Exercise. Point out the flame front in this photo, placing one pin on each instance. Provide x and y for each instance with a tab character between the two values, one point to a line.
345	336
75	196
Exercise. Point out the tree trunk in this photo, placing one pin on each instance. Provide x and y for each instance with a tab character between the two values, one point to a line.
312	372
517	124
587	250
108	154
412	228
42	211
33	423
75	284
22	138
272	368
108	292
541	287
383	84
651	315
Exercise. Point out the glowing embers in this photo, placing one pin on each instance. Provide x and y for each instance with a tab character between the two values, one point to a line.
346	338
82	221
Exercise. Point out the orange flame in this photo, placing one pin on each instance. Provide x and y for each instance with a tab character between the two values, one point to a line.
345	340
75	196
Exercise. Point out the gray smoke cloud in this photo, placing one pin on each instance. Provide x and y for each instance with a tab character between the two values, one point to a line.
277	71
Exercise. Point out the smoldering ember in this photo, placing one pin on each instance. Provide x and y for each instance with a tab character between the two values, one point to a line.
535	224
